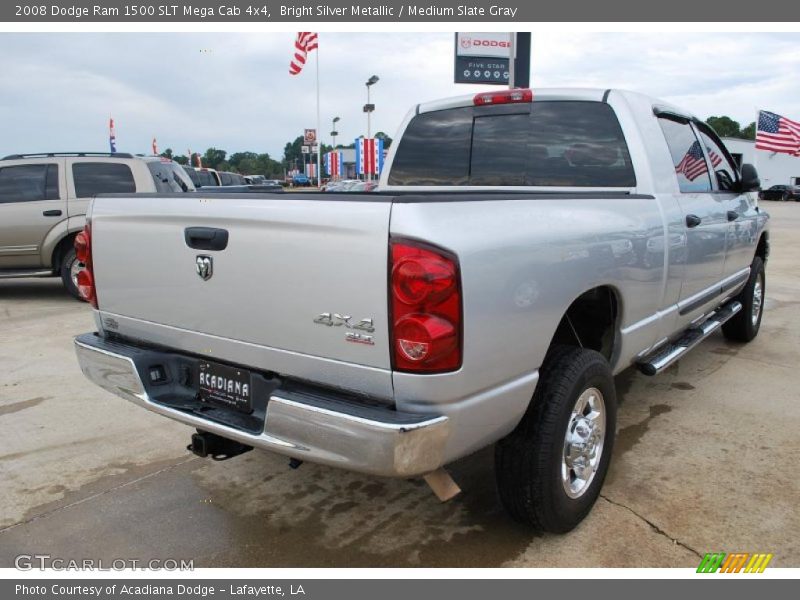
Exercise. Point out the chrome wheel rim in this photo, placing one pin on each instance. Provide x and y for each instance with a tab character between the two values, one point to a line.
583	443
758	299
75	268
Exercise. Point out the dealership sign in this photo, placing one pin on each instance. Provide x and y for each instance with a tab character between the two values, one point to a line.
497	45
482	58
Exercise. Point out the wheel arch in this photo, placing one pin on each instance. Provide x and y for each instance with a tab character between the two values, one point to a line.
762	248
592	320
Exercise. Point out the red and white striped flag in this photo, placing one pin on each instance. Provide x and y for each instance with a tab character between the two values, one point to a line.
777	133
155	147
112	137
306	42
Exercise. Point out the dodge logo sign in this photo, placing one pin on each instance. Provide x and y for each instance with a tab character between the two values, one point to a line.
205	267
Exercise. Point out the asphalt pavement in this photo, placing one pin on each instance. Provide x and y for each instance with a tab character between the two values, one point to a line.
705	461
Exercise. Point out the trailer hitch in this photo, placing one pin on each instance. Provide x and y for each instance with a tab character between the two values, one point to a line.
217	447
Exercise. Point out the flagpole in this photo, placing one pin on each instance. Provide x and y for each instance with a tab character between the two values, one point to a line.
319	131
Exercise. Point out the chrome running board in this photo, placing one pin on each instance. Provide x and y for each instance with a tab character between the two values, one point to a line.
674	351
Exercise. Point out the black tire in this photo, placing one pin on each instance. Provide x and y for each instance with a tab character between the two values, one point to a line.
785	197
66	272
743	327
528	462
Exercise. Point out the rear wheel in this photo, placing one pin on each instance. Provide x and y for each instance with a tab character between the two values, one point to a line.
70	267
744	326
551	467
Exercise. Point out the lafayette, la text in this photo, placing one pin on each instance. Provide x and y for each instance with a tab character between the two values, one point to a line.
155	589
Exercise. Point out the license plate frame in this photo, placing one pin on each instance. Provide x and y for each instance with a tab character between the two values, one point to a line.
225	386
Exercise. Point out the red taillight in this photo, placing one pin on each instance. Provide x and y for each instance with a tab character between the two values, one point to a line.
83	252
425	299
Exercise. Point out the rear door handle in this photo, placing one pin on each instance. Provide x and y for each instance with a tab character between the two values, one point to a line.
52	213
693	221
732	215
206	238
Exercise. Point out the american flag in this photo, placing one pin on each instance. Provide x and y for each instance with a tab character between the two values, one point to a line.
693	163
305	43
112	137
777	134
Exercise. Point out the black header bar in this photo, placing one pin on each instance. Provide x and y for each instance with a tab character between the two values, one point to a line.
466	11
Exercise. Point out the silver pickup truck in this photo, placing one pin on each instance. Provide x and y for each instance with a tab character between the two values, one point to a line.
521	251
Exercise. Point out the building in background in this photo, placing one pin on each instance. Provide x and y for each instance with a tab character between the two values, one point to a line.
773	168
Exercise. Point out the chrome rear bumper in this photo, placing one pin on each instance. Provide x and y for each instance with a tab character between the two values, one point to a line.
309	426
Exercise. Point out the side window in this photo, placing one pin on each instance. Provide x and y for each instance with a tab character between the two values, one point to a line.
499	155
687	156
192	174
724	170
435	149
102	178
206	178
28	183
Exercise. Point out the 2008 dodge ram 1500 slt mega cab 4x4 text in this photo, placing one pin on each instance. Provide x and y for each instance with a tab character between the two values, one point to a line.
520	252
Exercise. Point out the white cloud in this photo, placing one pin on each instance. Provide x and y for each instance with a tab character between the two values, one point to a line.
233	91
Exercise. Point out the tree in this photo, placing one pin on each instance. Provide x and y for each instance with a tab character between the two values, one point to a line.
167	153
749	132
724	126
387	141
214	159
727	127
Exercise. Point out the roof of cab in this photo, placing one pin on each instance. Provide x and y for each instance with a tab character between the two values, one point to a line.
590	94
581	94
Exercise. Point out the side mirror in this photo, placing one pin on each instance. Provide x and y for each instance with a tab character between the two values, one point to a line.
750	181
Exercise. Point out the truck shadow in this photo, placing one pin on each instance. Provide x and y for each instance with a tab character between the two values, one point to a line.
43	288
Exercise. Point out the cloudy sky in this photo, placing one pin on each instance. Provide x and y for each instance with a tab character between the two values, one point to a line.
232	90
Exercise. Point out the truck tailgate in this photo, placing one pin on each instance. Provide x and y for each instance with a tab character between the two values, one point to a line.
288	259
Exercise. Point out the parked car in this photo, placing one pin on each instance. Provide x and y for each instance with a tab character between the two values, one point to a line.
300	180
342	185
363	186
203	177
240	189
488	294
781	192
230	178
43	201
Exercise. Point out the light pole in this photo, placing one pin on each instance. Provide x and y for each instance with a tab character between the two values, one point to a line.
334	133
369	108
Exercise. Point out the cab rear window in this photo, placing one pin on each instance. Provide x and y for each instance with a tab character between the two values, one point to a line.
546	143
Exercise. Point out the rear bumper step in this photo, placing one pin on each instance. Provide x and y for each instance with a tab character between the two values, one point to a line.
306	424
674	351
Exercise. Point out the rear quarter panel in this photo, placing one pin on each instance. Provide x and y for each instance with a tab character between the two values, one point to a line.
523	261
